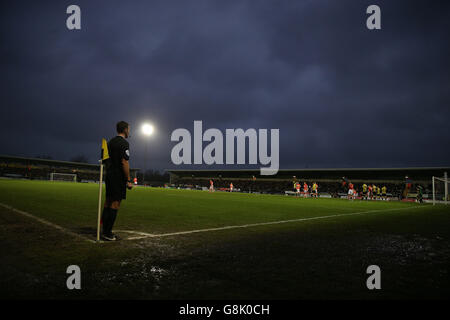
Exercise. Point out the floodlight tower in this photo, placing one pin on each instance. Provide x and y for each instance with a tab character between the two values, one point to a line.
147	131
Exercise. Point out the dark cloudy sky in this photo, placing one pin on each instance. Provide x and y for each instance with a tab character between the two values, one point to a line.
341	95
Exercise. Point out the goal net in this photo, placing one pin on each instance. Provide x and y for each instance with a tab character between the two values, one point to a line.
54	176
440	190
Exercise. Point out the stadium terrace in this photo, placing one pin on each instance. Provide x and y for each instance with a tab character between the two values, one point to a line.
213	153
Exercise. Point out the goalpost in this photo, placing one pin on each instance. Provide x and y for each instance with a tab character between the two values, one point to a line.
440	189
55	176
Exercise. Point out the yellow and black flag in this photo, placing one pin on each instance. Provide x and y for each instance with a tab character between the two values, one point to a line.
105	154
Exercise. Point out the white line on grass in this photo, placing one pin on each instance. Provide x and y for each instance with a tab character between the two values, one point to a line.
144	235
138	232
48	223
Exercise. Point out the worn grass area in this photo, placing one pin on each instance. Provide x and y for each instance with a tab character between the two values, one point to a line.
310	259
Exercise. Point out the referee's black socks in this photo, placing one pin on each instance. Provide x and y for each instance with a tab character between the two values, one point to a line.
105	218
108	218
112	219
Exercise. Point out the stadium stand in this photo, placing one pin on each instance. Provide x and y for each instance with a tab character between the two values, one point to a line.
40	169
329	180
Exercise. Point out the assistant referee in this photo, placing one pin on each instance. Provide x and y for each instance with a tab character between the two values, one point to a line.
117	178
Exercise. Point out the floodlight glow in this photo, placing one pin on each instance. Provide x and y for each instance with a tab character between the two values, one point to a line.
147	129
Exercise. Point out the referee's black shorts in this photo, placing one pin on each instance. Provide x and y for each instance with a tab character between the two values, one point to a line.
116	188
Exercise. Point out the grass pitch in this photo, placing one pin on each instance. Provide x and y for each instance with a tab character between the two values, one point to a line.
320	250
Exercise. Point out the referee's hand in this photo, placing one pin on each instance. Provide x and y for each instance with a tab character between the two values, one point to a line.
129	185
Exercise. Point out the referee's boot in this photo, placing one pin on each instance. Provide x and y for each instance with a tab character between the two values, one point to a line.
109	237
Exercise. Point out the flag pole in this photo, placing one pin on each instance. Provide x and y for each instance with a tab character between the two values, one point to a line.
100	183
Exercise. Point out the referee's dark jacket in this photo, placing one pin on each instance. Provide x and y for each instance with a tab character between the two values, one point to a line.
116	181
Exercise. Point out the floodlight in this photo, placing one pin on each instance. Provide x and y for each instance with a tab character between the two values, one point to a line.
147	129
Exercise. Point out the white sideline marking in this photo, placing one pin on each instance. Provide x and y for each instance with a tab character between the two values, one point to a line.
137	232
48	223
143	235
149	235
